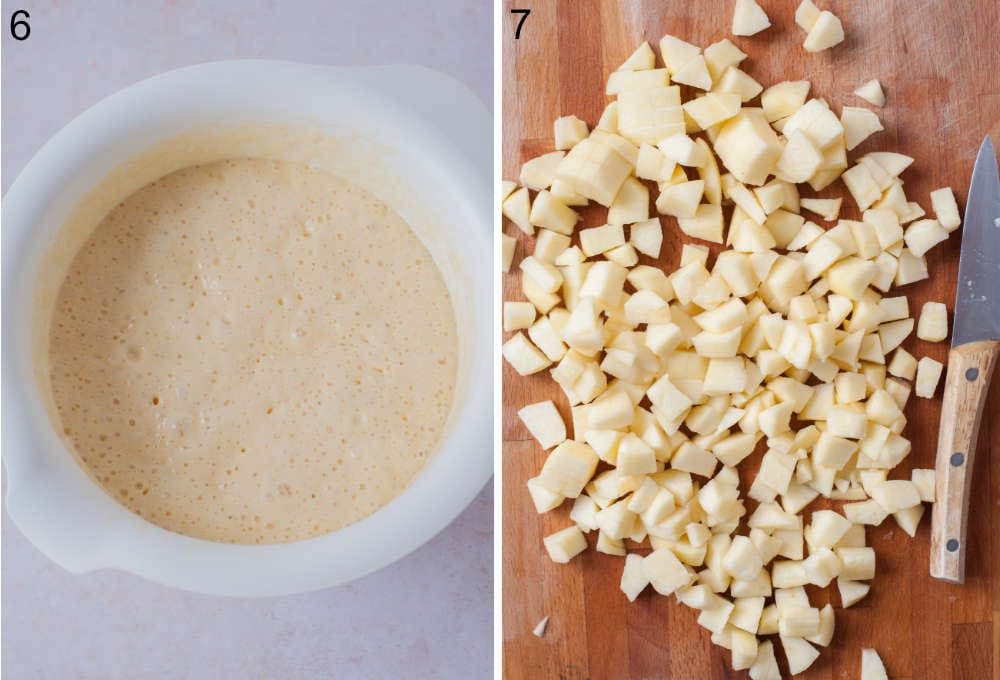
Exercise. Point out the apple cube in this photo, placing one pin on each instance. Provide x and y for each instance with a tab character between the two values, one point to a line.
634	579
872	667
799	160
933	323
665	572
872	93
783	99
826	627
799	653
806	15
909	519
570	130
928	375
912	268
507	246
648	115
564	545
739	83
859	124
597	240
923	479
721	55
765	666
749	18
518	315
568	468
893	333
862	186
594	170
627	81
851	592
544	423
539	172
923	235
946	209
706	223
748	147
524	356
544	499
826	32
517	208
694	72
858	564
681	200
647	236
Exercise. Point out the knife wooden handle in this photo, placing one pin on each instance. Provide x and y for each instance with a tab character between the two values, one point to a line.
970	367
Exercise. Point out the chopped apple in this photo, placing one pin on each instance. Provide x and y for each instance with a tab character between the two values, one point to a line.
806	15
826	32
508	244
706	223
749	18
748	146
593	170
933	323
765	666
740	83
827	208
799	160
518	315
694	72
851	592
714	108
524	356
923	479
568	468
818	122
539	172
872	93
627	81
923	235
634	579
564	545
946	209
642	59
646	236
681	200
665	572
872	667
517	208
858	124
928	375
720	56
800	654
783	99
570	131
544	499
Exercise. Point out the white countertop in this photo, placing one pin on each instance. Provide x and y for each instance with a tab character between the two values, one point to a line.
427	616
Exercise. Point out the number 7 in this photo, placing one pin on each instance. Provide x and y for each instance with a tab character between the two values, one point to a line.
524	15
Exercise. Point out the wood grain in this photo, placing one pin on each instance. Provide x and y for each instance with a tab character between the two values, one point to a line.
940	67
970	367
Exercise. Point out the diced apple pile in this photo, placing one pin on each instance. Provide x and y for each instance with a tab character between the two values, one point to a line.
789	341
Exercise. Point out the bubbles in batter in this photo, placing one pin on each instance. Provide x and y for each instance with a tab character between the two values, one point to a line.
252	351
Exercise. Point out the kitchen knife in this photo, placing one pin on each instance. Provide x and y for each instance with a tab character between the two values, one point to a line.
975	345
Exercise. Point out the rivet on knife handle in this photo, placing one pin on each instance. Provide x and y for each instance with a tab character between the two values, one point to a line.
970	367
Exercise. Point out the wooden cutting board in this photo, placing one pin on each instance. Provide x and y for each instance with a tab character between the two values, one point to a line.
939	63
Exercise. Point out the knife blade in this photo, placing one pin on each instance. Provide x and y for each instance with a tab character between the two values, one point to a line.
975	350
977	300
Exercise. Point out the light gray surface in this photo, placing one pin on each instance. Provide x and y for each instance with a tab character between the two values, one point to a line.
427	616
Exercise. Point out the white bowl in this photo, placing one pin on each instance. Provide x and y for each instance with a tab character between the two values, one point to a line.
419	140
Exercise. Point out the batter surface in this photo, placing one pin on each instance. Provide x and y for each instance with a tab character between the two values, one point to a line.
252	351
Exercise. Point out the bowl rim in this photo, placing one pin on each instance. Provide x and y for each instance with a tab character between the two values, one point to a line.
74	522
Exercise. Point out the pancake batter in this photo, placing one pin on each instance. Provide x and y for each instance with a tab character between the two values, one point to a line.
252	351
